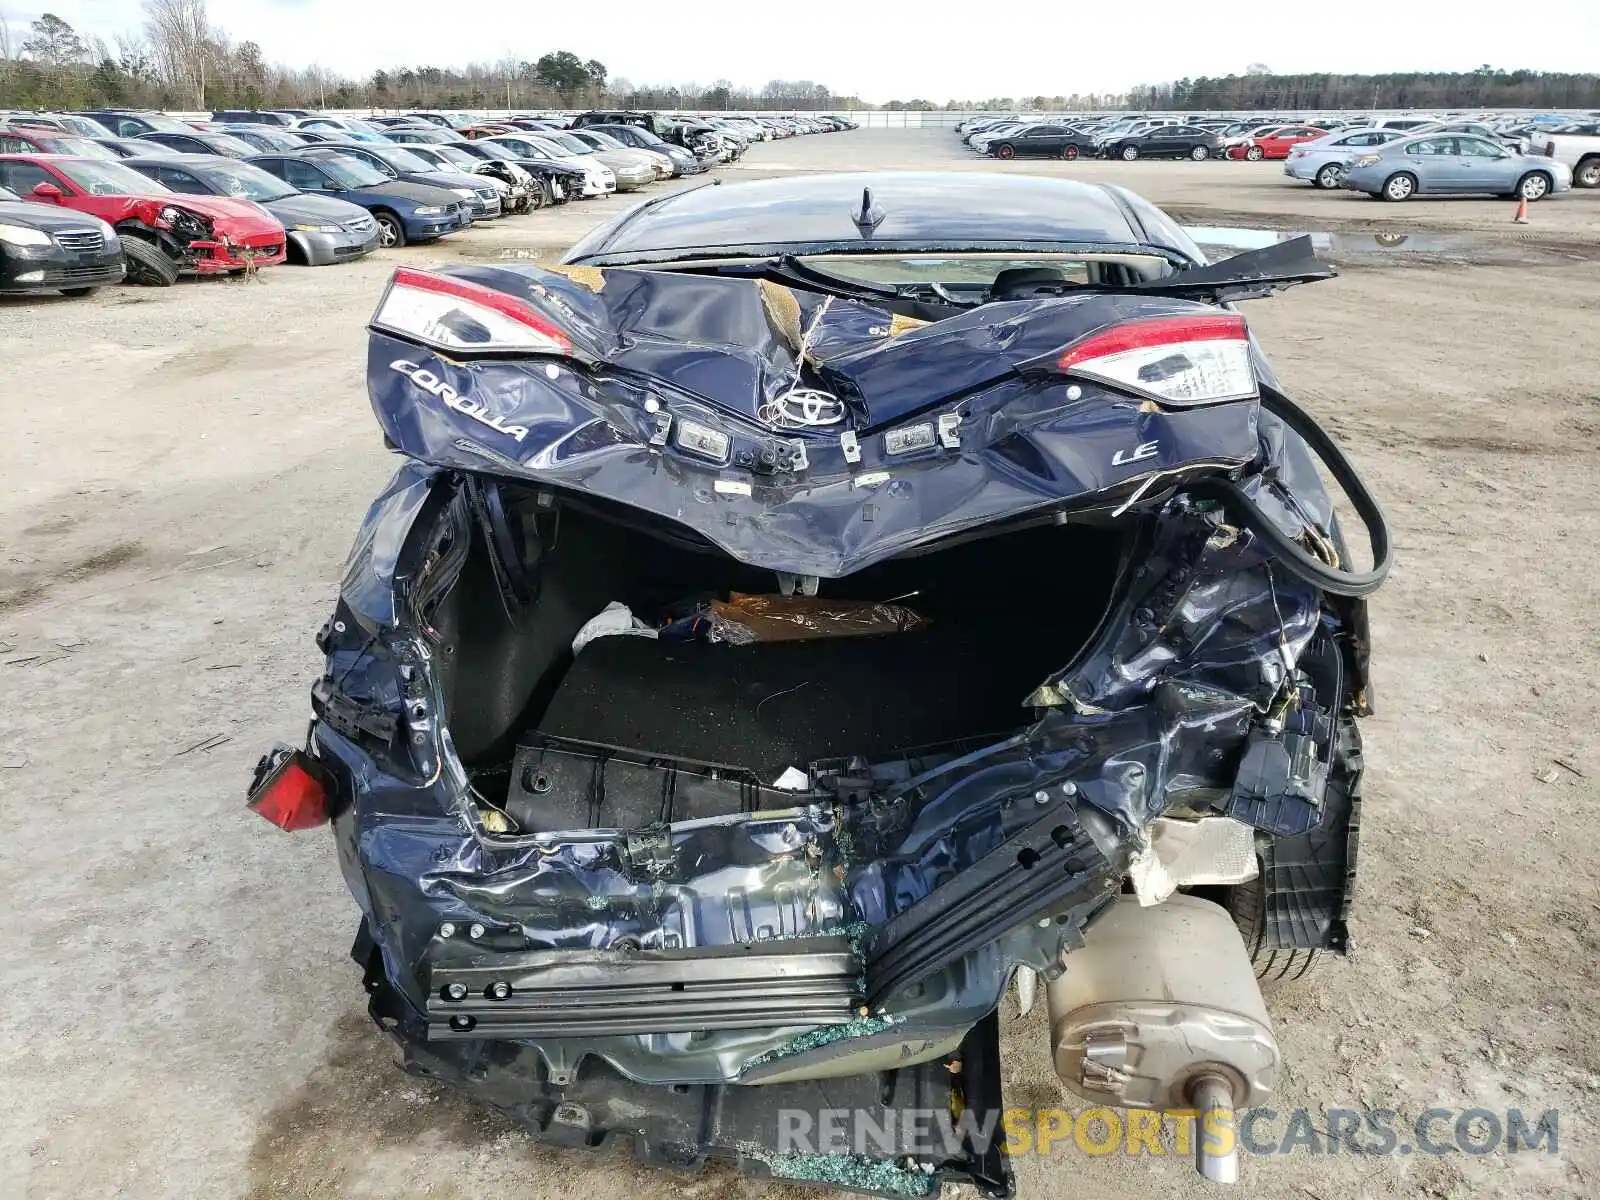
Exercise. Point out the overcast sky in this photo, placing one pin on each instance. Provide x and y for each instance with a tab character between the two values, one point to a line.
888	49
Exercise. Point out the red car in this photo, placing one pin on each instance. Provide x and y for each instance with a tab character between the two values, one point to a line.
1275	143
18	138
163	233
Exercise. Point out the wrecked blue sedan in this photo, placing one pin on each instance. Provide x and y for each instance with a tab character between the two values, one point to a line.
815	607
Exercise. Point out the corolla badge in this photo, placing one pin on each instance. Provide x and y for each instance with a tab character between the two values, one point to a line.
432	384
802	408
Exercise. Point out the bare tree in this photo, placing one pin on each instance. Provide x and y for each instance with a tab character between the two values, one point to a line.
55	42
182	43
7	49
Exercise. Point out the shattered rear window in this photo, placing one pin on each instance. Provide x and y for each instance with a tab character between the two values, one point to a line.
968	270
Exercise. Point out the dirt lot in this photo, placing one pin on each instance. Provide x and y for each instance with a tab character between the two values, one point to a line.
185	469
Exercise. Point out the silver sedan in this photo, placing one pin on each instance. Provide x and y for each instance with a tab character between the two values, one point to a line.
1323	161
1454	164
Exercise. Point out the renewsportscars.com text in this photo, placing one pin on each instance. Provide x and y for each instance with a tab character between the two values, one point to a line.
1377	1132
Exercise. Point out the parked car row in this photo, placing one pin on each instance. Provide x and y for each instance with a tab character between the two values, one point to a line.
1394	158
89	199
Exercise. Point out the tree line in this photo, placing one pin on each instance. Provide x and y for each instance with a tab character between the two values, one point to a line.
180	59
1259	90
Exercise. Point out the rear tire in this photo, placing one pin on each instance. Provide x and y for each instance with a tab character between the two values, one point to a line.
1399	186
1587	173
1534	186
1329	176
1246	903
148	266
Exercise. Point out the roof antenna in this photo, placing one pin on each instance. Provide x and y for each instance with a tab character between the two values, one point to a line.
869	217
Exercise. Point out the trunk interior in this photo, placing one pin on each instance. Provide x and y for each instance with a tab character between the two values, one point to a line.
999	615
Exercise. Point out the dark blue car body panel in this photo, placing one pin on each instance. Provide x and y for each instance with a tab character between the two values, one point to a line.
402	199
705	349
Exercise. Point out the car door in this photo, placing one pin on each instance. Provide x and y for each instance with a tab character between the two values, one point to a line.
306	176
23	177
1037	140
1486	166
1304	133
1156	142
1436	163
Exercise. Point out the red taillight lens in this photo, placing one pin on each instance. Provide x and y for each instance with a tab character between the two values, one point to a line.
1200	359
289	791
455	314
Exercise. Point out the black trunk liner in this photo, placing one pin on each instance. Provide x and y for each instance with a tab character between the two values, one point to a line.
773	705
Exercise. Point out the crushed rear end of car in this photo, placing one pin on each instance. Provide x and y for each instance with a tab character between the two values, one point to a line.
743	685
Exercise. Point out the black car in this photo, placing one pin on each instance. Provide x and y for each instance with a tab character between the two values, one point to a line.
1042	141
658	125
44	248
1166	141
787	851
268	139
196	142
130	123
124	147
252	116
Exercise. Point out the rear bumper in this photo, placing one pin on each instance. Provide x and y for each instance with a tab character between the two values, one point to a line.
51	269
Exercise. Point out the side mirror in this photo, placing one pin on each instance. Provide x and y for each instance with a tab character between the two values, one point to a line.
48	191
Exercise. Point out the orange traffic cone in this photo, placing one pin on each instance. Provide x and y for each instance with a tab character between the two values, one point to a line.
1522	212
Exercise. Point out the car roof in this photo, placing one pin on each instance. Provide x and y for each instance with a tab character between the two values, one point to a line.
918	209
54	158
185	160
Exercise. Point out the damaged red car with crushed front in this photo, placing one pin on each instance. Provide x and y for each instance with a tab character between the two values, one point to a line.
164	234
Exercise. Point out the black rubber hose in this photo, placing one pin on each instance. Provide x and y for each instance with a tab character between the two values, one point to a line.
1296	558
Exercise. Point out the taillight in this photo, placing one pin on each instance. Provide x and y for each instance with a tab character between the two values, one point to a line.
1203	359
454	314
288	790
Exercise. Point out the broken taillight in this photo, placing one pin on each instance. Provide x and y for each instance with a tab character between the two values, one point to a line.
455	314
1200	359
288	790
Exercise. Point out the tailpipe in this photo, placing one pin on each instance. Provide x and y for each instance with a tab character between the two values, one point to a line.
1160	1009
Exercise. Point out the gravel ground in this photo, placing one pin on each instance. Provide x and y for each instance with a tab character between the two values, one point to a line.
186	467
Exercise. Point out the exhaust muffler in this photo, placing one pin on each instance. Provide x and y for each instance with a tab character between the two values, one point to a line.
1160	1009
